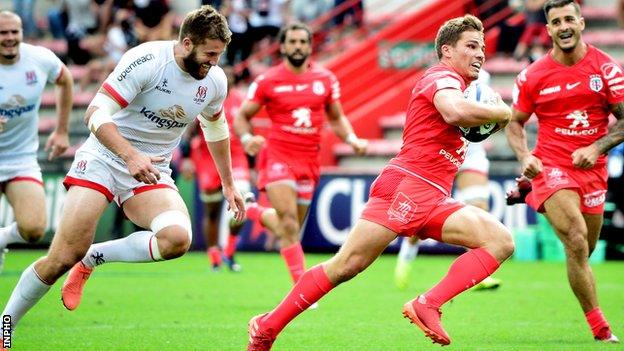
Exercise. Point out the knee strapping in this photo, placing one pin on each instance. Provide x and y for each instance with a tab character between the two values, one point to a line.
170	218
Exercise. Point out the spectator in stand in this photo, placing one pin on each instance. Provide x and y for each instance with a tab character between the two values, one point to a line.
154	20
355	13
25	9
57	20
82	22
307	11
237	13
534	40
267	17
214	3
119	38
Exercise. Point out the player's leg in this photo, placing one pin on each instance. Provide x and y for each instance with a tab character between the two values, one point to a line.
407	254
163	211
283	198
27	199
81	210
564	214
473	189
235	227
489	243
212	202
364	244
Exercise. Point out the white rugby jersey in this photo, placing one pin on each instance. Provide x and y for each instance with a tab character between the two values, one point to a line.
159	100
21	87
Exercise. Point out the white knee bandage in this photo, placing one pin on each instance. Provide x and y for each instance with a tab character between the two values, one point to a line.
474	193
172	217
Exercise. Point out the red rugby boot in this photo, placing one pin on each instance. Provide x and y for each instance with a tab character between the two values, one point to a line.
259	340
427	318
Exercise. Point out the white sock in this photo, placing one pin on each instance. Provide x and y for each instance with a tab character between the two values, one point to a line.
408	250
10	235
27	293
137	247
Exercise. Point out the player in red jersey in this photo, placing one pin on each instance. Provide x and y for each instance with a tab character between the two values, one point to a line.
571	90
198	162
412	195
297	95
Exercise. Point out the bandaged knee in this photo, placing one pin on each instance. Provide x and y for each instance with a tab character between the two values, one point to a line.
171	218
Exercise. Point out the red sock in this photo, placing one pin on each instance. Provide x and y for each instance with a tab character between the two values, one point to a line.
597	322
295	260
468	270
254	212
313	285
230	249
215	255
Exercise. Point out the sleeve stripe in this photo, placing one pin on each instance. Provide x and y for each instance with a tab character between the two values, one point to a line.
120	100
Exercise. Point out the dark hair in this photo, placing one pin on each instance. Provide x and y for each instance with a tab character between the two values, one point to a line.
205	23
293	26
452	29
550	4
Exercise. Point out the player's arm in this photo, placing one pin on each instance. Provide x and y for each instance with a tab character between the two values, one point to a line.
187	168
242	127
516	137
217	135
459	111
587	156
100	122
343	129
58	141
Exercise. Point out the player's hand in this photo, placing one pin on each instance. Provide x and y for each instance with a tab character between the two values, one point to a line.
359	146
236	204
57	144
187	168
142	168
2	123
254	145
531	167
585	157
505	111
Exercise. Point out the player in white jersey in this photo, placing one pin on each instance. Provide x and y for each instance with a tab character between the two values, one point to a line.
136	120
472	188
24	71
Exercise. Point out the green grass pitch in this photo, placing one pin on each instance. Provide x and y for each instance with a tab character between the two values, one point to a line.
182	305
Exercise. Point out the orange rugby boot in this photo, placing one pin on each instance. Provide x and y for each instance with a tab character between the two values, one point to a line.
258	340
427	318
71	292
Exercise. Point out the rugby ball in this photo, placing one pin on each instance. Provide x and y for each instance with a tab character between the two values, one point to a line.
480	93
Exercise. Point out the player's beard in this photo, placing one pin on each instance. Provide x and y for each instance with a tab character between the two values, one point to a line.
10	57
297	61
192	66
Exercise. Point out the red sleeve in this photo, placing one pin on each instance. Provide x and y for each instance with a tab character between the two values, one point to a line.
522	100
258	90
334	89
614	79
439	81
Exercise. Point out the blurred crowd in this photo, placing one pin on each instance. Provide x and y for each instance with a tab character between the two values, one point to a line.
98	32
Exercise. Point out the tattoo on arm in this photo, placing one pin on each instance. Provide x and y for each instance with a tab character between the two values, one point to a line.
616	134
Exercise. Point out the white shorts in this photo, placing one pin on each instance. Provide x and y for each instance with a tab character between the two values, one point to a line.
110	178
475	160
28	170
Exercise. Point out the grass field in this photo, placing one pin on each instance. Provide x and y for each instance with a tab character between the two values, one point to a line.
181	305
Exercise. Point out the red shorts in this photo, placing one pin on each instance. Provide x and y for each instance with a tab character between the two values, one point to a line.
303	172
206	172
591	186
408	205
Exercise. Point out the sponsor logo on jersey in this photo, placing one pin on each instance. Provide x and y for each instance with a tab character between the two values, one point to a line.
163	86
595	199
595	83
141	60
550	90
318	88
283	88
15	107
31	77
200	95
580	119
454	160
402	209
302	117
166	116
610	70
301	87
571	86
